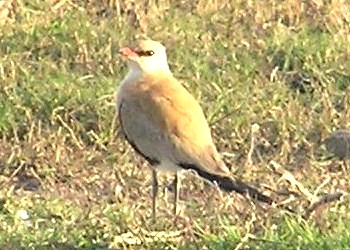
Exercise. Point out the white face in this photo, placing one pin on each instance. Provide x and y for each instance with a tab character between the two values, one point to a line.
148	57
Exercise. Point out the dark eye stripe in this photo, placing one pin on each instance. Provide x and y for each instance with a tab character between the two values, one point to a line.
145	52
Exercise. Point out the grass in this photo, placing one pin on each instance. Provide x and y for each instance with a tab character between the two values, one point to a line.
69	180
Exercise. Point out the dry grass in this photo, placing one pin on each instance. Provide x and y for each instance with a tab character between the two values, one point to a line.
282	65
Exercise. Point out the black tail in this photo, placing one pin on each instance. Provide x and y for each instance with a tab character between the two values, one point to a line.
228	184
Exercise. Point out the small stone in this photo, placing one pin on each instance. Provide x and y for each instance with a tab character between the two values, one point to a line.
22	214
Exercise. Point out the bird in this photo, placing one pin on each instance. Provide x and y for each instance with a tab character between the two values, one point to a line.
338	144
165	124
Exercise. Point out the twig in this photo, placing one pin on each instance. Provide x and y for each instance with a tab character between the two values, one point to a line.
254	129
286	175
13	175
71	132
327	198
324	183
36	176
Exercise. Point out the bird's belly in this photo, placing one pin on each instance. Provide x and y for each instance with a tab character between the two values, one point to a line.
167	166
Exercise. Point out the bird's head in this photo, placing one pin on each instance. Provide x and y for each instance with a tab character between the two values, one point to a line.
148	56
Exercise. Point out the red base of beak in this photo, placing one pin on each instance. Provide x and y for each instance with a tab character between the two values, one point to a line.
127	52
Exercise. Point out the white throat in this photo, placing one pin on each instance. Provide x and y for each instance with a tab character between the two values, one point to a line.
135	72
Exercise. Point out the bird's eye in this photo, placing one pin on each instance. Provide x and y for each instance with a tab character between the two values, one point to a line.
149	53
145	52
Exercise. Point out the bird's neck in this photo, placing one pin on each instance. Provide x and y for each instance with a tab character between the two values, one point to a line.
132	76
135	75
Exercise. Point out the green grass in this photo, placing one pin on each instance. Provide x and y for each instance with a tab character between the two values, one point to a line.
64	162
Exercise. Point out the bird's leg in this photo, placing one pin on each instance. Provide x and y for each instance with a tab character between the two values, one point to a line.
345	166
154	193
176	192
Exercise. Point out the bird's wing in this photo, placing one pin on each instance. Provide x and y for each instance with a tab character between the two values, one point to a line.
164	122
